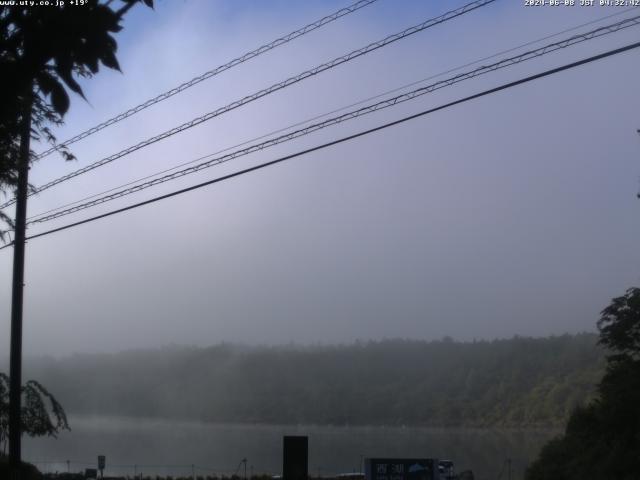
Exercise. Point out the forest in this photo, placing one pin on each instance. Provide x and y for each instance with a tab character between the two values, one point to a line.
501	383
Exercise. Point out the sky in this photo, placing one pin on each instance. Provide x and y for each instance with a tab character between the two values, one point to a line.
513	214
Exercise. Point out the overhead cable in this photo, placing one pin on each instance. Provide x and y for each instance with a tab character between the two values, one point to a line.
326	114
390	102
273	88
212	73
343	139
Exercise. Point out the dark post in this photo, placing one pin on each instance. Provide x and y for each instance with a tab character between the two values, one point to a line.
102	461
295	455
15	368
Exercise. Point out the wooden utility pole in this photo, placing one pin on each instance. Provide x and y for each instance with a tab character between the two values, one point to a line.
15	368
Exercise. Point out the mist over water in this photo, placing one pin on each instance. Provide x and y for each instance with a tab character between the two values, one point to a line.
386	399
157	447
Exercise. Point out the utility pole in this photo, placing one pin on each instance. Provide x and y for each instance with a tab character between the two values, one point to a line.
15	368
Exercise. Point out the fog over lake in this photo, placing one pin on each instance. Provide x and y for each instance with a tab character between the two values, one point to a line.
155	447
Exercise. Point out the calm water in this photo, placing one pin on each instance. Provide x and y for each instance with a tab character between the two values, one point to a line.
153	447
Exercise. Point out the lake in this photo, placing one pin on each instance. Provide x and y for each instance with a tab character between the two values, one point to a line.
161	447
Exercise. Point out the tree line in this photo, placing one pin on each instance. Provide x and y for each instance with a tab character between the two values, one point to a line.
503	383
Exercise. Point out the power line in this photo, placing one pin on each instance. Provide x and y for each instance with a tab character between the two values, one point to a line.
344	139
273	88
596	33
316	117
211	73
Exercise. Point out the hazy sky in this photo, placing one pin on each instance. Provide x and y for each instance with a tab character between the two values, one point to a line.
515	214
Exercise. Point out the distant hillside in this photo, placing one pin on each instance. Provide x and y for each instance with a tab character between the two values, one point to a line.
515	382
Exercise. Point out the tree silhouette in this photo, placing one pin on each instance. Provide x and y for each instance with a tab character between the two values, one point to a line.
43	50
602	439
620	327
41	415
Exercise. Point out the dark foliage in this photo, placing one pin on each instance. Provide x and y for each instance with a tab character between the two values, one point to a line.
27	470
42	414
43	50
602	440
619	327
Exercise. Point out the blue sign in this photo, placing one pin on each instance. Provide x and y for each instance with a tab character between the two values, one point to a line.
401	469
